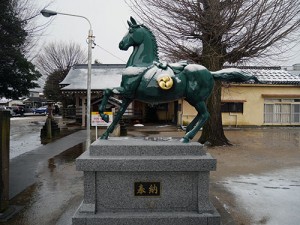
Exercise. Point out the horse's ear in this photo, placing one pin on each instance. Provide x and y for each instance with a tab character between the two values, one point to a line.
129	23
133	21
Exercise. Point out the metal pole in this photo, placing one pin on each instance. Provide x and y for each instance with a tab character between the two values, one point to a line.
88	116
48	13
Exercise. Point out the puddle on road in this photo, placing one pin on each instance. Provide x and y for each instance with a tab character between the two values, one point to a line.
67	156
271	199
57	193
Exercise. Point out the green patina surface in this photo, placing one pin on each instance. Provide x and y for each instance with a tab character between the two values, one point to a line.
145	77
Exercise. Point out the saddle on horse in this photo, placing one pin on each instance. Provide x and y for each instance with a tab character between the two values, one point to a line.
158	75
177	67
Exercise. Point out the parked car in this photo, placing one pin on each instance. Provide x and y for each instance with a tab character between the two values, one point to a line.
41	110
33	110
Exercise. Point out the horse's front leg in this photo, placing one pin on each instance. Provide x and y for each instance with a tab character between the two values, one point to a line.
102	106
117	118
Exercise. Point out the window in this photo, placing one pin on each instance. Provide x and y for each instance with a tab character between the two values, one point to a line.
296	113
282	111
237	107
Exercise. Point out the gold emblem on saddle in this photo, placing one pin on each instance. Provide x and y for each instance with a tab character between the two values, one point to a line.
165	82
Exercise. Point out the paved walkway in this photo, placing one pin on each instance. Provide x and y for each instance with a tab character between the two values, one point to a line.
23	169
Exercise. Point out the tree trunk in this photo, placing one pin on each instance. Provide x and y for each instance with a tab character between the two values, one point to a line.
213	129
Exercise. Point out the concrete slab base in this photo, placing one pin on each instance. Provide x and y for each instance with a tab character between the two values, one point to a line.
147	218
133	181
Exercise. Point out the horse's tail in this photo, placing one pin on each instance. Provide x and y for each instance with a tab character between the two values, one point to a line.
233	75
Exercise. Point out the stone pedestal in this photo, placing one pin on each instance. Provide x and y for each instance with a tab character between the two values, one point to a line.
134	182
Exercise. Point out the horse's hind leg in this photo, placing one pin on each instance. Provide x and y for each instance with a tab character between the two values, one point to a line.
117	118
192	123
202	116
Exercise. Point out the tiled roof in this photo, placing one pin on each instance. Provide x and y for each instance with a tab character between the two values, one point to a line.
103	76
274	76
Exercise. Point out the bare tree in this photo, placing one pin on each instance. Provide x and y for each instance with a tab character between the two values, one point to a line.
60	57
215	32
55	61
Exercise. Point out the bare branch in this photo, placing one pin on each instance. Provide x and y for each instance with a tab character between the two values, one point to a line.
233	30
60	57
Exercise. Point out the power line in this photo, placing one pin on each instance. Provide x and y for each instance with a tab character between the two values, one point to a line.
109	52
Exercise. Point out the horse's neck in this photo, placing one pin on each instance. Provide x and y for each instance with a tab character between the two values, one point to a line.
142	55
131	59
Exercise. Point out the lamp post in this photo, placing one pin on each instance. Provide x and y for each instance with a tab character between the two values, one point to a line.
48	13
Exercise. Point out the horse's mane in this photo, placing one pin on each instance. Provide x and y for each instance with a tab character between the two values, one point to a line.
152	36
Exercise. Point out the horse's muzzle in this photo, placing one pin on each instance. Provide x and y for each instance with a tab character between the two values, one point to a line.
122	46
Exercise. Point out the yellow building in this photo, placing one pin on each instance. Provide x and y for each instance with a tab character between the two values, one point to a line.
276	102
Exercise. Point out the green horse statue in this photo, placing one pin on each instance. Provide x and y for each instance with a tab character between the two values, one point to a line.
148	80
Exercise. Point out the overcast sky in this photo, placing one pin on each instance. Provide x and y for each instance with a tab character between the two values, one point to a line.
108	19
109	25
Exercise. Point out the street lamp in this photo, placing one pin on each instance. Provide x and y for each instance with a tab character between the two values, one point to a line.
48	13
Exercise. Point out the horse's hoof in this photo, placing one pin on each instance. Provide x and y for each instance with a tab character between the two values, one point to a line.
104	137
184	140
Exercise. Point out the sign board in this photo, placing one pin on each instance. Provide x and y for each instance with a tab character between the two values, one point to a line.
96	119
147	189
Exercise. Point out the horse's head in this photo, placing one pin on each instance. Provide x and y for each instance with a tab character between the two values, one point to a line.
134	36
144	43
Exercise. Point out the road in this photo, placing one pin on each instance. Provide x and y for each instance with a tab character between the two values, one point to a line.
25	134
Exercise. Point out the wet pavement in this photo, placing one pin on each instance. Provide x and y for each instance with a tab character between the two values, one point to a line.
254	176
55	194
24	169
269	198
257	179
25	134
